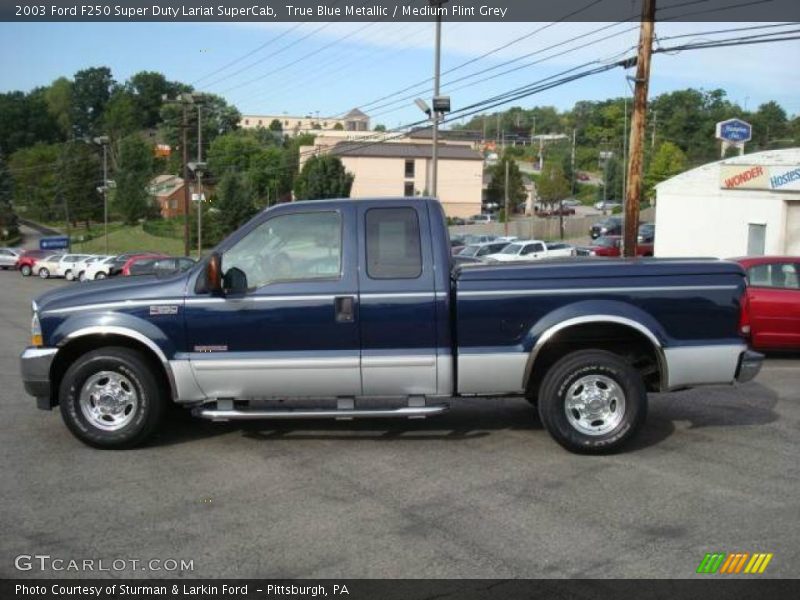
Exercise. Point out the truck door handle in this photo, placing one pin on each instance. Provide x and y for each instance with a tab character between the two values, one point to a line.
345	309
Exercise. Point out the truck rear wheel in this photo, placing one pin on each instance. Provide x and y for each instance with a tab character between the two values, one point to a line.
592	401
110	398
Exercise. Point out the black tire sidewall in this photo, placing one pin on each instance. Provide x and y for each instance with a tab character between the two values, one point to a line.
579	364
134	367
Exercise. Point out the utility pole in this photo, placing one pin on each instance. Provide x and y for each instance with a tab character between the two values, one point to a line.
635	162
437	61
505	189
199	181
105	196
186	192
655	122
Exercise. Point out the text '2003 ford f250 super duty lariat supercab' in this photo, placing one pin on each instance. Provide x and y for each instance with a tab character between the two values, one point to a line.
327	304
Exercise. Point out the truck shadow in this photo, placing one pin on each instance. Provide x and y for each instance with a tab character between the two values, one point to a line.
472	419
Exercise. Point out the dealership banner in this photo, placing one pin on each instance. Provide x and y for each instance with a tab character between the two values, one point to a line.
760	177
397	10
705	587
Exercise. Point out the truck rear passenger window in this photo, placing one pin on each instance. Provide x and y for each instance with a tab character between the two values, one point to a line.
394	250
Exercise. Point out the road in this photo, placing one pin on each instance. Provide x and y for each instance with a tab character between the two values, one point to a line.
480	492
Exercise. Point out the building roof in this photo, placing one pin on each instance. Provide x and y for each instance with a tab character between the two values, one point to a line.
356	114
165	185
462	135
706	177
402	150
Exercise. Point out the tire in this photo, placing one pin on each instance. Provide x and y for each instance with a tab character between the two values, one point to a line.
82	276
613	387
26	270
111	399
44	273
68	275
100	275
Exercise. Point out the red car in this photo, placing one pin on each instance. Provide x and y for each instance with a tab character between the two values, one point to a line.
611	245
28	258
773	295
126	268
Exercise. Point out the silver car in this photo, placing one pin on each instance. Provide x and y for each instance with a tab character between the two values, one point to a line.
8	258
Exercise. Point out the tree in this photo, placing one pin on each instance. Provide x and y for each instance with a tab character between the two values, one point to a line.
276	126
148	89
58	98
264	176
552	186
612	181
8	219
35	176
26	121
131	197
79	174
497	185
91	91
338	127
121	117
668	161
323	177
233	202
379	127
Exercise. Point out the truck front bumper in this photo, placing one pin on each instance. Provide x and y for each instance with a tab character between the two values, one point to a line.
35	366
749	365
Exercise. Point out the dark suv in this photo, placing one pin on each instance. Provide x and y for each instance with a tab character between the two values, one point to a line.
609	226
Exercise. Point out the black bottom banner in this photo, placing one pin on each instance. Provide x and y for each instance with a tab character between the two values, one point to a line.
402	589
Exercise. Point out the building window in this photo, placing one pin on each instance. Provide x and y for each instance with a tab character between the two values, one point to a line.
394	250
286	123
408	188
247	121
409	168
260	122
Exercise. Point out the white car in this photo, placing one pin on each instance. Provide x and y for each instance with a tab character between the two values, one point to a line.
559	249
478	219
99	269
519	251
80	268
8	258
606	205
47	266
68	263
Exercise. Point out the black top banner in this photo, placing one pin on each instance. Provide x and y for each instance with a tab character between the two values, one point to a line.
400	11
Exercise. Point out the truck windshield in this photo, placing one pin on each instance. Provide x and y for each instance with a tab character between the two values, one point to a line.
512	249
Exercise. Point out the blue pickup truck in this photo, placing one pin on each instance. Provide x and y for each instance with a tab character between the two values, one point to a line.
347	309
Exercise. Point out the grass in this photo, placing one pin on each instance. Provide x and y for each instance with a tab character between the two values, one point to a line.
128	239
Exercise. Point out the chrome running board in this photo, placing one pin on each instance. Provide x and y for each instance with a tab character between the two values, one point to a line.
408	412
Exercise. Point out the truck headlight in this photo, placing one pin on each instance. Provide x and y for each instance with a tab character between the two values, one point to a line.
36	331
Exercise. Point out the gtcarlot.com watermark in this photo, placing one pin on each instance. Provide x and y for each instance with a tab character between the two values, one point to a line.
46	562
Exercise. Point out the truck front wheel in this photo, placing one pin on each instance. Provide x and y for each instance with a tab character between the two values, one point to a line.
110	398
592	401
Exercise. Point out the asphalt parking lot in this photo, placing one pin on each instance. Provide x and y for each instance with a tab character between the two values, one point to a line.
480	492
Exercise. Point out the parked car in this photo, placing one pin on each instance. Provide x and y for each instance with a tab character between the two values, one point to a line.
605	205
583	177
99	269
482	250
48	266
773	295
559	249
647	233
9	258
292	307
609	226
520	251
80	268
483	218
67	265
471	238
611	245
161	266
133	260
27	260
119	261
556	211
571	202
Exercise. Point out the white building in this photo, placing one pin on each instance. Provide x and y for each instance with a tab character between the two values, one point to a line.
743	206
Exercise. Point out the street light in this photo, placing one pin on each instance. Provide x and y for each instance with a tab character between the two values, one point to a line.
199	169
104	141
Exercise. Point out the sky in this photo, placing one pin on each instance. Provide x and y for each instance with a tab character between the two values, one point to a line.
328	68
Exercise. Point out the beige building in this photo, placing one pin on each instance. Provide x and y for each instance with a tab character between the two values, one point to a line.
353	121
403	169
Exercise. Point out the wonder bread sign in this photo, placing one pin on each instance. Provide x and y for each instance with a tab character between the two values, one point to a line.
760	177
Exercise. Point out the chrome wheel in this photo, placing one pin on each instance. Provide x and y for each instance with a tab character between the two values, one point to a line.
108	400
595	405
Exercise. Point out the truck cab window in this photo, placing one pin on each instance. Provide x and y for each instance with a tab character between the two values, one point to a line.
393	243
294	247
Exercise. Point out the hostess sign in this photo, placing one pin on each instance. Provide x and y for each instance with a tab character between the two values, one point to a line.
734	130
760	177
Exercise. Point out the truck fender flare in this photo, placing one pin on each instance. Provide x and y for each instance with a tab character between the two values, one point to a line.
636	319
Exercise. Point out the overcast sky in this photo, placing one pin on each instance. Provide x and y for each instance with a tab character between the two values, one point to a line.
329	68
